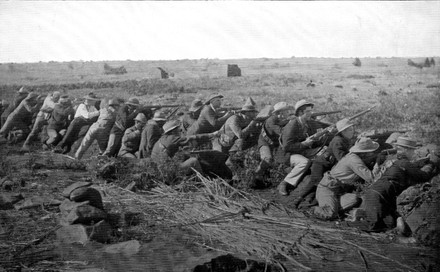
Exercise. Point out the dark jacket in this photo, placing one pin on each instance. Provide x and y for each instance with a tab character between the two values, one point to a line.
271	132
60	117
206	123
293	134
150	134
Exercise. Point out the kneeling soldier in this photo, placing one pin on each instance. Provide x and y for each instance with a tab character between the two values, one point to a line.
170	142
132	137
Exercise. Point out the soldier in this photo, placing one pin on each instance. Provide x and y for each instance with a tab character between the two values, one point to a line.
21	117
268	140
337	149
297	144
379	205
3	106
100	130
19	96
170	142
208	120
59	120
334	190
132	137
85	115
124	120
192	115
235	134
42	117
151	133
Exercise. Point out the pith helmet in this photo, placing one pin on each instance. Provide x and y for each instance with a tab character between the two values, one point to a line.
113	102
141	118
196	105
343	124
406	142
301	103
212	97
364	145
281	106
133	101
159	116
170	125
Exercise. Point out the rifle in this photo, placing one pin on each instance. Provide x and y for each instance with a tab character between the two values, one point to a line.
159	106
330	128
172	113
317	114
231	109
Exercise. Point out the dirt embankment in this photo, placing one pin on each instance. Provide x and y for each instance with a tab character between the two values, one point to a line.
181	226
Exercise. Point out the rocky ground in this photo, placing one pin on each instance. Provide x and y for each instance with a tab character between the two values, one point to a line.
58	214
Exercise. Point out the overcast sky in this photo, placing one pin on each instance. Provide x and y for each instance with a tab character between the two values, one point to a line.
65	31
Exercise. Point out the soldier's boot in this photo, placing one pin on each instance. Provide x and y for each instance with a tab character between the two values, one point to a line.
282	188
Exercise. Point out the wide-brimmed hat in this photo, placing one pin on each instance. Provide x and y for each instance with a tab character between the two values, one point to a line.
159	116
301	103
406	142
56	93
141	118
113	102
23	91
281	106
64	99
133	101
249	105
196	105
91	96
212	97
343	124
364	145
170	125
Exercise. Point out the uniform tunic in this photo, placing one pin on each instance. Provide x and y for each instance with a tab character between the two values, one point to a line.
150	135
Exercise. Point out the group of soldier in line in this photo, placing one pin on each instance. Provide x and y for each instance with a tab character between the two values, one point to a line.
331	170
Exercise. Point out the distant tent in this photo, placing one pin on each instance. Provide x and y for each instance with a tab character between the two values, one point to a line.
233	70
357	62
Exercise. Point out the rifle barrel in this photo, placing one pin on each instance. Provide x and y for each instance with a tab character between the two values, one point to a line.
361	113
316	114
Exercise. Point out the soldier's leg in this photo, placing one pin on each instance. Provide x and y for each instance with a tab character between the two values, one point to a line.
266	160
191	163
36	129
87	141
300	165
114	142
328	203
102	135
53	135
9	124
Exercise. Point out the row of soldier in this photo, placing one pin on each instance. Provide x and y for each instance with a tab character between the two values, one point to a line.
330	167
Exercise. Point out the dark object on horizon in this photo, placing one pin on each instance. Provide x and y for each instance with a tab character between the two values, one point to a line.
163	74
432	62
233	70
108	70
357	62
412	63
311	84
427	63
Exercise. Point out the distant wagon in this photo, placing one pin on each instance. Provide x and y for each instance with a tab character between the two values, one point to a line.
233	70
108	70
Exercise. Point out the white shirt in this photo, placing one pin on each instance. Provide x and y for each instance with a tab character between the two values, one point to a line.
86	111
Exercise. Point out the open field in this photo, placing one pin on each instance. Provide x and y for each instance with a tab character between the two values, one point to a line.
187	224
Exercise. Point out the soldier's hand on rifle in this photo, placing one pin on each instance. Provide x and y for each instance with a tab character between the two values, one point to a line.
214	134
307	142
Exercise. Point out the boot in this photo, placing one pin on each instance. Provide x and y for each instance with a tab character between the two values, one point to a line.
282	188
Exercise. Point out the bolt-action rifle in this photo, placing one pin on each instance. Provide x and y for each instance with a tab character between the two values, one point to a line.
332	127
317	114
223	110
